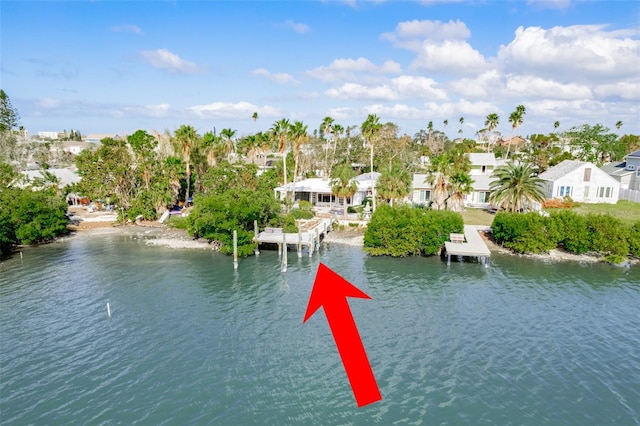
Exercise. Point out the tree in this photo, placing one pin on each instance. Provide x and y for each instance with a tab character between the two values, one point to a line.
9	117
342	183
516	119
370	129
255	116
491	122
514	185
299	135
461	121
143	145
448	173
618	124
186	138
556	125
281	131
394	182
326	128
446	123
595	144
227	138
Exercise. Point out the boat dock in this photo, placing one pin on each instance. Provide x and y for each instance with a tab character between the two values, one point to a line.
308	235
471	246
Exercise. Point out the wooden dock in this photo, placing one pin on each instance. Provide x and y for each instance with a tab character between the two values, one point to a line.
308	236
473	246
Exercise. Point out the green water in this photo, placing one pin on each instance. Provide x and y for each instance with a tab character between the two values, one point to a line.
190	341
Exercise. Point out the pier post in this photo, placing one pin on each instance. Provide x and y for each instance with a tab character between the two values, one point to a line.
448	259
318	239
255	233
299	243
284	252
311	242
235	249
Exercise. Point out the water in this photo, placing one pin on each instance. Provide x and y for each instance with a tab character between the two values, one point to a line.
522	342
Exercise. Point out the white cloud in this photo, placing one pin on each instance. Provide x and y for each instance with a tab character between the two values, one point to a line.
154	111
450	56
397	88
280	78
164	59
297	26
228	110
48	103
410	34
396	111
577	52
489	83
347	68
342	113
628	90
127	28
537	87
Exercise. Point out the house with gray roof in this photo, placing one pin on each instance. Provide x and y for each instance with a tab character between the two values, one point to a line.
582	181
626	172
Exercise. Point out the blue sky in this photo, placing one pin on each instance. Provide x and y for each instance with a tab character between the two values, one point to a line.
119	66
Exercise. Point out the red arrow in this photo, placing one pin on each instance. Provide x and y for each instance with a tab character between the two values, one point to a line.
330	291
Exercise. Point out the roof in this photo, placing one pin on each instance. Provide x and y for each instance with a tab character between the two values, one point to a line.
482	159
562	169
363	181
419	181
65	176
634	154
617	168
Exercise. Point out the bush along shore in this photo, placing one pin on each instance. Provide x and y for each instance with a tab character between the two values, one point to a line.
599	235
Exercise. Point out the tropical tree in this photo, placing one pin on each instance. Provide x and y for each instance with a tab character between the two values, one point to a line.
186	139
299	135
516	119
9	117
343	185
211	147
596	144
461	121
446	123
556	125
618	124
255	116
394	182
370	129
227	138
337	131
448	174
281	132
326	128
515	186
491	122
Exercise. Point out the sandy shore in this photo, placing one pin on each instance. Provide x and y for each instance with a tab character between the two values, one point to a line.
350	238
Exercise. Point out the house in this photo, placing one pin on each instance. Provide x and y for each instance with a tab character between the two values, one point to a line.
318	190
582	181
64	176
482	167
626	172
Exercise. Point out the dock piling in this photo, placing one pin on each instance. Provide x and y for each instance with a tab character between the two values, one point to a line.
255	238
235	249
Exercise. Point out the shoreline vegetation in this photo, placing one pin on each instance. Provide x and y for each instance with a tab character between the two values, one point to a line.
158	235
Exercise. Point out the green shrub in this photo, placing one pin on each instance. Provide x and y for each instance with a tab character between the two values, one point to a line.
356	209
178	222
570	230
305	206
524	232
609	237
302	214
409	231
634	240
353	225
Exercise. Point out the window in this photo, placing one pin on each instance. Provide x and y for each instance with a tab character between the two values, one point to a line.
605	192
483	197
483	170
586	192
608	192
425	196
564	191
587	175
325	198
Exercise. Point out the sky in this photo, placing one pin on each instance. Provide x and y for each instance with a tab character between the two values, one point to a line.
119	66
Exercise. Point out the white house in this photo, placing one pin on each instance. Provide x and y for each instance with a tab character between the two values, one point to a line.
482	166
318	190
582	181
626	172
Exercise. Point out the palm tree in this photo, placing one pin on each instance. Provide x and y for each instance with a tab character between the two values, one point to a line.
491	123
186	138
394	183
211	145
556	125
343	185
255	116
461	120
618	125
461	184
281	131
514	185
446	123
370	129
326	127
299	135
227	137
338	130
515	118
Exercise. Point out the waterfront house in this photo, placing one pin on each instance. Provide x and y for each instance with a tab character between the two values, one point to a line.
582	181
318	191
482	167
626	172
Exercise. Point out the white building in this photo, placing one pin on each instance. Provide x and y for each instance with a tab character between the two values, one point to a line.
48	135
626	172
318	191
582	181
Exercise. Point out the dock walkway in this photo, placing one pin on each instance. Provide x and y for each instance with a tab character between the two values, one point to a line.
473	247
309	235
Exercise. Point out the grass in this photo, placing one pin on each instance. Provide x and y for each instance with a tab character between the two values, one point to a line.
476	217
626	211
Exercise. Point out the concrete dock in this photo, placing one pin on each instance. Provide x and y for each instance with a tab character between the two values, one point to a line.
473	246
308	236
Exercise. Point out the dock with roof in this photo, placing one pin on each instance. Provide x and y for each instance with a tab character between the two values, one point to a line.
471	246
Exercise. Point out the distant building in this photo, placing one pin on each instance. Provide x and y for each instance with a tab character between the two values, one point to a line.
49	135
97	137
626	172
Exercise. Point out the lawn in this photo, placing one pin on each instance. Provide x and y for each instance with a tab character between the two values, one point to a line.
626	211
477	217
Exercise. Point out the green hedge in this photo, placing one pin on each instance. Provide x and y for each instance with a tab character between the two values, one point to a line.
408	231
604	235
